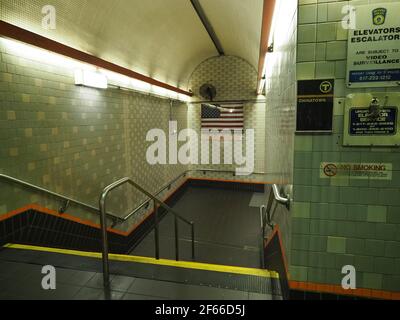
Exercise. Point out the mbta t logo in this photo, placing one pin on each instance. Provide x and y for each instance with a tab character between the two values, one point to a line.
326	87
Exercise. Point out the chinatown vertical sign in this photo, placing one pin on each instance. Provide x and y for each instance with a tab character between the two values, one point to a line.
373	57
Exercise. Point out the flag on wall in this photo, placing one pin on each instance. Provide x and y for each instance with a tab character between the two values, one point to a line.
222	117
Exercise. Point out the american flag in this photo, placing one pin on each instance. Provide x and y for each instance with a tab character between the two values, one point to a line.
222	117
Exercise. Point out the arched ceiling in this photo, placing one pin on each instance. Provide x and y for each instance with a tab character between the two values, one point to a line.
238	26
163	39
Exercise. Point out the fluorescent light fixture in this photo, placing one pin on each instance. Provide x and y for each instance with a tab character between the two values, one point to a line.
34	54
86	74
184	97
92	79
261	87
270	43
277	8
140	85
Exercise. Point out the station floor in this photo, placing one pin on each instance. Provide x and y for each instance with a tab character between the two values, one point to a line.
227	228
226	233
21	281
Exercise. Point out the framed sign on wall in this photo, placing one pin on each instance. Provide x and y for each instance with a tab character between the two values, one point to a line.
372	119
315	105
373	56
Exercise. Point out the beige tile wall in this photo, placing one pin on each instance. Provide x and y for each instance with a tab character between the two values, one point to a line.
234	79
75	140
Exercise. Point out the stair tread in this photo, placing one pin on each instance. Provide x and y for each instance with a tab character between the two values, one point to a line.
249	280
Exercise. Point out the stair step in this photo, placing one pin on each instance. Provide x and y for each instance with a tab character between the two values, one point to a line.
186	272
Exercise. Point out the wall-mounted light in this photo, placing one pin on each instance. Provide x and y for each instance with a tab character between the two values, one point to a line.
270	46
92	79
262	85
86	72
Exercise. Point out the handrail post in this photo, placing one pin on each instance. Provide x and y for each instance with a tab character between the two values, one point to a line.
262	218
176	239
193	254
104	241
156	231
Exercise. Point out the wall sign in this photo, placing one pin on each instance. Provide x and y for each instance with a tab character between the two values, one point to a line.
315	105
363	128
373	56
362	125
360	171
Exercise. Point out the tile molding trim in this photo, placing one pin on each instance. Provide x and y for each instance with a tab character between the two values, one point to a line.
338	290
89	223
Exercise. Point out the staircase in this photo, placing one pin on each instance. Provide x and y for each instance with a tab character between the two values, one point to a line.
78	276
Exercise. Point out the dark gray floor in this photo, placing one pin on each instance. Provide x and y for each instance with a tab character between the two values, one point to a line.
226	229
22	281
226	233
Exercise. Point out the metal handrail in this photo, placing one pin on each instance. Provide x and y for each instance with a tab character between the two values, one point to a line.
112	216
262	216
67	200
220	171
103	224
278	197
266	216
103	214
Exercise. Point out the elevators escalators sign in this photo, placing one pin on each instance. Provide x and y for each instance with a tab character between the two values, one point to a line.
315	105
374	47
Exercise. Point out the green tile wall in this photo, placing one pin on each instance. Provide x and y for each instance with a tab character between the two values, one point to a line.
352	222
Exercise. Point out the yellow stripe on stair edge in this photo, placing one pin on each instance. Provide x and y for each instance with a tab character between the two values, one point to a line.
147	260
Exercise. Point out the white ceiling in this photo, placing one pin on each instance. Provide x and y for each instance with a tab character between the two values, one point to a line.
163	39
237	24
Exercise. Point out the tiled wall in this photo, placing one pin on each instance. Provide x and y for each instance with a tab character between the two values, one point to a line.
281	106
353	222
75	140
234	79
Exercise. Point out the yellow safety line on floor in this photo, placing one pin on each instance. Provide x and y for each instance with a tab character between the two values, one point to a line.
162	262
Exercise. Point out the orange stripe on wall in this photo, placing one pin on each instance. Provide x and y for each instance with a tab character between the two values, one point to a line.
97	226
277	232
335	289
55	214
234	181
79	220
15	212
